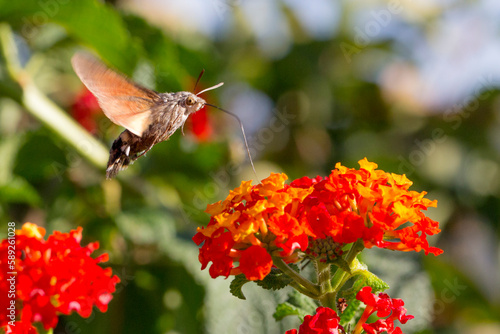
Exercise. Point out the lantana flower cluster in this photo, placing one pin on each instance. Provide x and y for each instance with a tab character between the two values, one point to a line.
387	310
54	276
274	219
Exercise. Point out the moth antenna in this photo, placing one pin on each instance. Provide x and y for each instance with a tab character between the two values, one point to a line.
210	88
242	130
198	80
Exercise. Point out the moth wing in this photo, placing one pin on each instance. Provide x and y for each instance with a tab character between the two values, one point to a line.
122	101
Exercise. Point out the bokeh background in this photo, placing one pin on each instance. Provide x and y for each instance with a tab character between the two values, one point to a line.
411	85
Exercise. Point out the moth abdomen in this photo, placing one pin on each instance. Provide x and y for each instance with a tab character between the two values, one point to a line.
124	151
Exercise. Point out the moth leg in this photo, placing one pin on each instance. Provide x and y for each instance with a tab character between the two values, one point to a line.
144	152
126	149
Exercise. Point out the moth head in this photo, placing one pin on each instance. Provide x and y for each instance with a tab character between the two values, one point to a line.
193	103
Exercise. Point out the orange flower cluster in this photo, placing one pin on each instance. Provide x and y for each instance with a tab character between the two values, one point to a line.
255	223
251	225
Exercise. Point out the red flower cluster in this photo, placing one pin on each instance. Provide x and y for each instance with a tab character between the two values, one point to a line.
23	326
385	306
56	276
275	219
326	320
371	205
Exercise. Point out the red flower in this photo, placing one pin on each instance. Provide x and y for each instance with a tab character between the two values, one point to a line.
56	276
84	110
325	321
200	125
385	306
255	263
217	249
23	326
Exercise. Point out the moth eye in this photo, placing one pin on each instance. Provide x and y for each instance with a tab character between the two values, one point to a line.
190	101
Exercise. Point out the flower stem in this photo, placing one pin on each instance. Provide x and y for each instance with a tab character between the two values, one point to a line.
303	290
328	295
341	276
304	283
354	251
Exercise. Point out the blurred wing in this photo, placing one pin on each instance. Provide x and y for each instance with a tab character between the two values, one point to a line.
122	101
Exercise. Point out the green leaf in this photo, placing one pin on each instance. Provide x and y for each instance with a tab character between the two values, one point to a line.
307	304
367	278
236	286
286	309
296	304
168	71
350	312
352	303
275	280
18	190
91	22
376	283
9	148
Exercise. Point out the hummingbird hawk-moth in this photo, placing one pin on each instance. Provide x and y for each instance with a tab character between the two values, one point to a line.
147	116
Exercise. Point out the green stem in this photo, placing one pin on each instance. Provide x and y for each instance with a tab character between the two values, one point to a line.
354	251
328	294
341	276
59	121
303	290
40	106
314	291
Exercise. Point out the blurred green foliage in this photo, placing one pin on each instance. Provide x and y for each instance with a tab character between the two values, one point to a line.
333	110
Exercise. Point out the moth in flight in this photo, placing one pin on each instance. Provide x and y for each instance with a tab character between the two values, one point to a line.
147	116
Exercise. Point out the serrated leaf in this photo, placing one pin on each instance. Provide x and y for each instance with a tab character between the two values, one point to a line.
302	302
375	282
296	304
236	286
286	309
275	280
